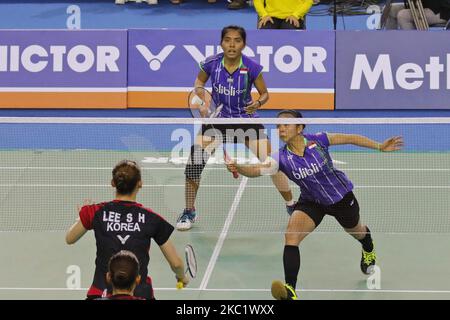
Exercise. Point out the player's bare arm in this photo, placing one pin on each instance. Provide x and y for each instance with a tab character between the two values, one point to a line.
268	167
174	260
391	144
260	85
76	231
202	78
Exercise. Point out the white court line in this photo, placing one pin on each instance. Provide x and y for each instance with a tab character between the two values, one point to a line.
63	89
209	168
397	169
99	168
402	187
195	121
203	185
252	290
188	89
223	234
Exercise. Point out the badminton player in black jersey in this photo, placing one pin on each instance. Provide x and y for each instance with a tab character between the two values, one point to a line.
123	275
124	224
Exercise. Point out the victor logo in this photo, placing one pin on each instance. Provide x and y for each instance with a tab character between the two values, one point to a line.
286	59
80	58
155	61
123	239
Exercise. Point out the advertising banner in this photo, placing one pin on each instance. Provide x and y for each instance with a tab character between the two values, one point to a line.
298	66
63	69
393	70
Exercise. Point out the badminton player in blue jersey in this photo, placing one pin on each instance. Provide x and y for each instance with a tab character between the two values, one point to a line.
324	190
232	76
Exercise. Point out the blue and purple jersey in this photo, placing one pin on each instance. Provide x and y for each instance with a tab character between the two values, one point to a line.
232	90
314	173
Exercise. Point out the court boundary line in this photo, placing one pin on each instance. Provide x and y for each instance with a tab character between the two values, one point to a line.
206	168
205	185
250	290
195	121
281	232
223	234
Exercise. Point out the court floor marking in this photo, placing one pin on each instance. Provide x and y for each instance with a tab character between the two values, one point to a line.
203	185
251	290
209	168
223	234
99	168
263	232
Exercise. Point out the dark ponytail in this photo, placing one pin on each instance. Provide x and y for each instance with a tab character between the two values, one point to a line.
123	268
126	175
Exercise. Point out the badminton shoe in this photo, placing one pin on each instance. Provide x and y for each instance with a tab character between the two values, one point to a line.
283	291
186	219
368	260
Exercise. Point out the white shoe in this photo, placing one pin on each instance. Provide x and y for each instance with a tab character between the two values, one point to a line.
120	1
184	225
186	220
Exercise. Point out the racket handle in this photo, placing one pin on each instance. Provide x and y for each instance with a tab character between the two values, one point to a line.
226	157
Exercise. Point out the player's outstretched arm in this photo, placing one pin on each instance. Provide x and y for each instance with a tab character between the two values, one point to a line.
391	144
268	167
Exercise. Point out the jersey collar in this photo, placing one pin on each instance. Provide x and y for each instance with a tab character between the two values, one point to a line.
133	203
306	143
238	68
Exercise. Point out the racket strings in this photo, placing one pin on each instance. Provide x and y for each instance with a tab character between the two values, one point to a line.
191	261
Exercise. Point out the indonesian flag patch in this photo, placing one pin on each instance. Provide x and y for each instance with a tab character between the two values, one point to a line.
311	145
243	71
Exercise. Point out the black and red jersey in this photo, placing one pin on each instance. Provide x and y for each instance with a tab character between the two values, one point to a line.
120	297
123	225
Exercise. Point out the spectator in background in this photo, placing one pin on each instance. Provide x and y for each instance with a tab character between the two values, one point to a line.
148	1
436	12
282	14
236	4
156	1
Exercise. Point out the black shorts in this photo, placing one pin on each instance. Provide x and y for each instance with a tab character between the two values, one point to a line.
235	133
346	211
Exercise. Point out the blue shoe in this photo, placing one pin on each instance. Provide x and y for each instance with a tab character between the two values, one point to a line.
186	219
290	209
